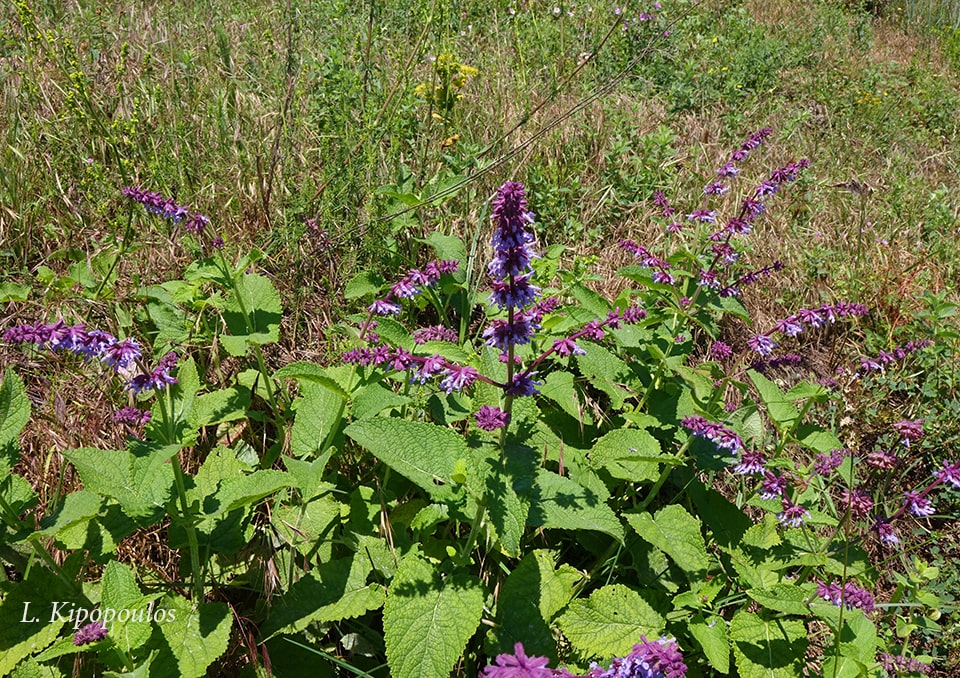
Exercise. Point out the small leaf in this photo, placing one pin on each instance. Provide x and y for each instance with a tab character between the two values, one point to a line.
14	415
779	408
628	454
428	619
363	284
196	636
610	622
788	598
319	411
10	291
307	371
252	314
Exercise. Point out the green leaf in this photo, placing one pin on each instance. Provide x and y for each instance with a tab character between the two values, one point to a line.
77	511
779	408
817	439
14	415
374	399
307	371
27	624
318	412
252	314
195	636
559	502
428	619
788	598
628	454
226	404
10	291
676	533
363	284
507	487
606	372
610	622
31	668
184	419
558	387
447	246
590	300
712	637
246	490
767	648
309	528
120	592
423	453
333	591
858	639
140	479
529	599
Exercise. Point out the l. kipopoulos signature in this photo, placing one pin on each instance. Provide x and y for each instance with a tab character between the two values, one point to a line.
66	611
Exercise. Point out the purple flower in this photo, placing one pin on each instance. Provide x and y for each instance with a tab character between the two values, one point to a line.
157	379
859	502
918	505
91	633
523	385
715	188
429	367
649	659
384	307
849	595
720	351
519	665
950	473
751	462
885	531
773	486
792	514
882	460
897	664
719	435
909	429
121	354
514	292
567	347
434	333
491	418
762	344
95	342
703	216
502	334
131	416
825	464
458	378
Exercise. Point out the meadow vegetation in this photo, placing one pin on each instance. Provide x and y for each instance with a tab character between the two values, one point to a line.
578	339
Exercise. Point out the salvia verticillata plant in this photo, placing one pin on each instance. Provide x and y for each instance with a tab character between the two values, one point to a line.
512	466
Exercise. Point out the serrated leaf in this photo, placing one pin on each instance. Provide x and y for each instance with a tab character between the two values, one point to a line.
248	489
26	623
195	636
817	439
507	486
120	592
558	387
590	300
226	404
77	511
447	246
788	598
529	598
712	637
779	407
309	528
307	371
676	533
14	415
374	399
31	668
610	622
423	605
139	479
558	502
254	316
333	591
318	411
362	284
767	648
628	454
423	453
606	372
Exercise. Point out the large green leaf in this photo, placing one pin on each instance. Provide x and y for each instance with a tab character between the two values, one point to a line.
307	371
610	622
712	637
428	619
767	648
424	453
28	622
252	314
14	415
196	636
139	479
507	485
558	387
788	598
559	502
318	411
628	454
676	533
606	372
529	599
779	407
331	592
120	592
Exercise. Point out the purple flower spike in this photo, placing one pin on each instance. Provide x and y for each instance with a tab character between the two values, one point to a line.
523	385
91	633
950	473
762	344
458	378
885	531
751	463
909	429
773	486
491	418
567	347
121	354
792	514
918	505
